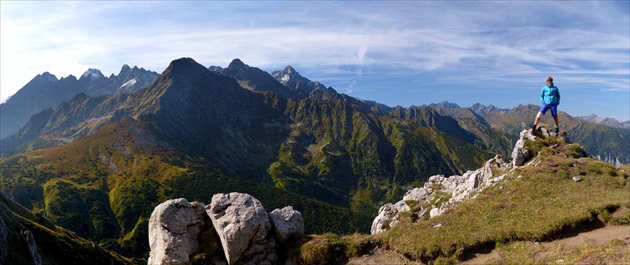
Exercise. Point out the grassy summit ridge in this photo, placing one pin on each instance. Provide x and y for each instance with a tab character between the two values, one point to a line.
537	202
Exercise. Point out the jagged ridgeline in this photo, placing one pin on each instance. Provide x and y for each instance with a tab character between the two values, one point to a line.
46	91
99	165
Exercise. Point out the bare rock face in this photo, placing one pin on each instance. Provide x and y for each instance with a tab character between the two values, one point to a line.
243	227
418	194
174	227
286	222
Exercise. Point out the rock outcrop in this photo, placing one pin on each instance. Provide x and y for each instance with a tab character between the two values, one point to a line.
440	193
388	216
238	223
173	230
519	154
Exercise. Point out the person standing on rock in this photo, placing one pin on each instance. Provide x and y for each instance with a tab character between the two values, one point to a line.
550	99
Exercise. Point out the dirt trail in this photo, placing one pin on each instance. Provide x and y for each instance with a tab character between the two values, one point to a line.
597	236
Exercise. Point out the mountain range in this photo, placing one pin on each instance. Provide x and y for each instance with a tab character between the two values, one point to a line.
612	122
46	91
606	139
101	160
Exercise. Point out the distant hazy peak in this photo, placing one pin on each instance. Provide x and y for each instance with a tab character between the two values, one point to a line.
216	69
483	109
237	63
289	69
70	77
612	122
288	74
92	74
591	118
445	104
129	70
48	76
291	79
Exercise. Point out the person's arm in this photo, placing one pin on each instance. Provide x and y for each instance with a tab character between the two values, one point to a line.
558	90
542	95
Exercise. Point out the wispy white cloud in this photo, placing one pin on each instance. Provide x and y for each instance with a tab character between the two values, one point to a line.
462	44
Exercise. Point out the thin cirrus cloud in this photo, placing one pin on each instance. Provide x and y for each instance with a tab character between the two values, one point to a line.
395	52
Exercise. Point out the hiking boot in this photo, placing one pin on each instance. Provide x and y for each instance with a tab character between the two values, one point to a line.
534	127
557	130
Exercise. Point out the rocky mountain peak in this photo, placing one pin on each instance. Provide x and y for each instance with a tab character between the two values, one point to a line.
291	79
237	63
611	122
92	74
125	68
241	71
591	118
48	76
445	104
481	109
289	69
185	66
216	69
287	75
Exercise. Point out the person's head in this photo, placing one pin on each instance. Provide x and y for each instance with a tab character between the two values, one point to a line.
549	81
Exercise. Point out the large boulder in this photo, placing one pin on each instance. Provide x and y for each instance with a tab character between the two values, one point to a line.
174	227
286	222
243	227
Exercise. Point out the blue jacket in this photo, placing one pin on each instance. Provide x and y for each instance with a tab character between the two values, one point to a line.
550	95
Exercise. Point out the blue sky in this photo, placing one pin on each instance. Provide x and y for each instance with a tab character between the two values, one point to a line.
394	52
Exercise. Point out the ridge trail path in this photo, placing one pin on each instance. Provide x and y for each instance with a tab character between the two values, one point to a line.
597	236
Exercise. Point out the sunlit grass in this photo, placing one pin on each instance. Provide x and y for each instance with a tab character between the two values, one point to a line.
533	203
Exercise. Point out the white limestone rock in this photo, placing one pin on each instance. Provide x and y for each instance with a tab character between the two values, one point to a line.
286	222
458	188
519	153
388	216
243	227
418	194
173	230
